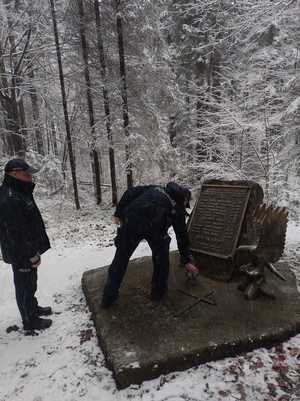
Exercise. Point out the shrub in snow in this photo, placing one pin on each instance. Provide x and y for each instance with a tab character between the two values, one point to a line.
34	159
50	178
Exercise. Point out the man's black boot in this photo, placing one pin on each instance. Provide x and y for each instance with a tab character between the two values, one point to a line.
37	324
44	310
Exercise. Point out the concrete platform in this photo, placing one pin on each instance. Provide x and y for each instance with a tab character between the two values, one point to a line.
142	340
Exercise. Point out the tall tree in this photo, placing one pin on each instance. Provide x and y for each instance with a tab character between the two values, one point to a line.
65	105
106	103
94	153
36	115
12	56
124	92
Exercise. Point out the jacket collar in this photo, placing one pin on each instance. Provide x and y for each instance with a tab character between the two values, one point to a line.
18	185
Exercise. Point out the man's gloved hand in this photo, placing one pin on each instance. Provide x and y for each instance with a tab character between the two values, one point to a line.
191	270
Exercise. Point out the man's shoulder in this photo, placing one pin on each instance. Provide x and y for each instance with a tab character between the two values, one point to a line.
154	188
9	196
160	192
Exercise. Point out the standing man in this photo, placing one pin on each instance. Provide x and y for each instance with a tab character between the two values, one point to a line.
146	212
23	239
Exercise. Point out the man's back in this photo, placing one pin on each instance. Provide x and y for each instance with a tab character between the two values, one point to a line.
149	206
151	196
146	212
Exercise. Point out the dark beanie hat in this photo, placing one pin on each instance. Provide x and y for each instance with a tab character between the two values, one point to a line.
180	194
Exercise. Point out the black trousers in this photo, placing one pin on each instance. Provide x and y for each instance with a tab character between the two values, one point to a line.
126	242
25	280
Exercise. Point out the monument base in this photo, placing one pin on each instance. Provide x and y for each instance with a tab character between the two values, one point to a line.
142	340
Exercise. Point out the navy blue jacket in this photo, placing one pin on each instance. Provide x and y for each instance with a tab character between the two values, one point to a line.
22	230
154	211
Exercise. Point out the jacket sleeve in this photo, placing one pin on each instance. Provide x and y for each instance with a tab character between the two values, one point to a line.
128	196
19	244
182	238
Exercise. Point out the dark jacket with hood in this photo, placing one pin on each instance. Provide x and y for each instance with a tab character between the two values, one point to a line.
150	210
22	230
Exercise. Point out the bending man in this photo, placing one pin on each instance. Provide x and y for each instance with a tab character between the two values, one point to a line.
147	212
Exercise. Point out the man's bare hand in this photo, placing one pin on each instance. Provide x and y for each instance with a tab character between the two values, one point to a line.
35	260
36	265
116	220
191	270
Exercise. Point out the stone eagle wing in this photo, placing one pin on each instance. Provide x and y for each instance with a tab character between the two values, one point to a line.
272	226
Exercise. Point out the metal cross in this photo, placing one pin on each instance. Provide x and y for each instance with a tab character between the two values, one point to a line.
198	300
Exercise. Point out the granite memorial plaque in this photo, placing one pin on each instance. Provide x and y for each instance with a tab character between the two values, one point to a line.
217	219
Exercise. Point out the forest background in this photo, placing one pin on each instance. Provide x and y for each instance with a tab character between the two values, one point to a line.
105	94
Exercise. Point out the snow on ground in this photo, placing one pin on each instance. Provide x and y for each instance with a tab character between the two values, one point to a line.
64	363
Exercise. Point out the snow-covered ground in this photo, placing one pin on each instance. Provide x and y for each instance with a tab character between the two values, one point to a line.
65	363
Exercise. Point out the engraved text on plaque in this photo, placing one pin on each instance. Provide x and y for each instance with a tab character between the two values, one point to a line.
216	223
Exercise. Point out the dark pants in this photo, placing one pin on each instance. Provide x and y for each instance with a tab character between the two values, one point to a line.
126	242
25	280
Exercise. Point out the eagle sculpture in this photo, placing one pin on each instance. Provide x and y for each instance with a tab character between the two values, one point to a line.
270	224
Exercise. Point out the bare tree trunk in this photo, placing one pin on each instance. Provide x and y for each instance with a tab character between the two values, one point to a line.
16	123
172	130
124	94
84	47
201	109
36	116
241	151
106	104
22	117
65	106
49	143
8	95
15	139
213	74
4	101
53	135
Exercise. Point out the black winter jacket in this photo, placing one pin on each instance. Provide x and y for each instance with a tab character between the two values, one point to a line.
154	211
22	230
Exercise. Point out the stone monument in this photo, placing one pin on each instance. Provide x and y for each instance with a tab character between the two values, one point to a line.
201	321
231	234
222	221
268	248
